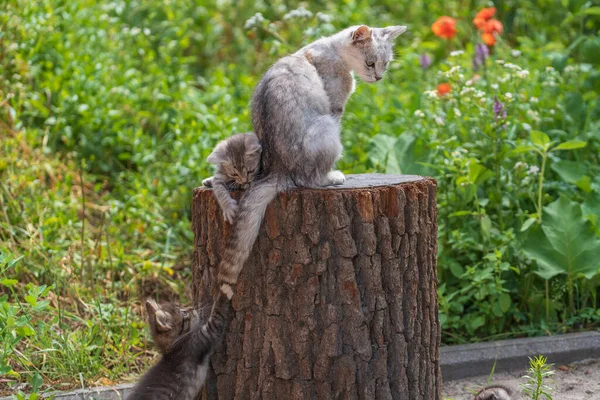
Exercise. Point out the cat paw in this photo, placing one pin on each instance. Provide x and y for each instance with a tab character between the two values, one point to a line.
230	211
208	182
335	178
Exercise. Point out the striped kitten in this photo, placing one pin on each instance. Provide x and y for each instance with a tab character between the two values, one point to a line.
238	161
186	345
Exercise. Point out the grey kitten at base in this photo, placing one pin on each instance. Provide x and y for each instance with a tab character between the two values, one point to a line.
238	162
494	392
296	113
186	345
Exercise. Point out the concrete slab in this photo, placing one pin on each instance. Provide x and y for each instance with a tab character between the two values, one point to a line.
464	361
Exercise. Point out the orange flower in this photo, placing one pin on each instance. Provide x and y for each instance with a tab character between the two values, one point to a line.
493	25
443	88
483	16
488	38
444	27
479	22
486	13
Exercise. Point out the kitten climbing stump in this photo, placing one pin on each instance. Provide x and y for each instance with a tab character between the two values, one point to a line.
338	298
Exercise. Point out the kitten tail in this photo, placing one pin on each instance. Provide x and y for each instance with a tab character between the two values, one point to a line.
252	207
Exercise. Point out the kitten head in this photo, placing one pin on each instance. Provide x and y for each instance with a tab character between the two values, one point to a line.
168	322
238	158
369	50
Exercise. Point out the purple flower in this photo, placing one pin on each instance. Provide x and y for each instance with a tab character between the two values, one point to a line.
499	109
481	54
425	60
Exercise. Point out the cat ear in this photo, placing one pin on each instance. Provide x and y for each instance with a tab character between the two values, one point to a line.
253	150
163	322
392	32
217	154
157	318
362	33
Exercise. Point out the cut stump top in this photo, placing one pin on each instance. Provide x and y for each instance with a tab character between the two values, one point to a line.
364	181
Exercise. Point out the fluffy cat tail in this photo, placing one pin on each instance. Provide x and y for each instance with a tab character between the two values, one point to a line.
251	210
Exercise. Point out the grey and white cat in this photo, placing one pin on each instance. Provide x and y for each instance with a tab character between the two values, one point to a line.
186	346
296	112
495	392
238	162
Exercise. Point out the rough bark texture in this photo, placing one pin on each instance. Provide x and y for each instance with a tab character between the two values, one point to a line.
338	299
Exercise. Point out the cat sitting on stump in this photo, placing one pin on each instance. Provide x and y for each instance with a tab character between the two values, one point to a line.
296	114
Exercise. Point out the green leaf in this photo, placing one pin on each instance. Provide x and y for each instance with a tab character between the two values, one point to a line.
575	107
31	300
477	173
527	224
564	244
539	139
523	149
476	322
9	282
412	155
592	11
569	171
504	301
570	145
36	382
381	155
486	226
5	369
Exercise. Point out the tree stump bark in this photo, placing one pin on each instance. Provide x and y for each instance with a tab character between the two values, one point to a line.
338	299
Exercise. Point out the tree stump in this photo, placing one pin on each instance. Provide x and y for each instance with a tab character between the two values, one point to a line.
338	299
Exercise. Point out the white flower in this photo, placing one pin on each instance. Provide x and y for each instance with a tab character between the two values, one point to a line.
534	100
419	114
469	83
135	31
500	62
253	21
452	71
505	78
440	121
569	68
508	96
523	74
494	86
300	12
552	112
549	69
533	170
516	53
526	126
479	93
456	153
456	53
432	94
520	164
323	17
457	112
147	32
512	66
466	89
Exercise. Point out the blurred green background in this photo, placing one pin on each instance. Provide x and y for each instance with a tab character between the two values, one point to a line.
108	110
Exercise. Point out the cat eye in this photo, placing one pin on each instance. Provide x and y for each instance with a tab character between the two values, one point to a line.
370	64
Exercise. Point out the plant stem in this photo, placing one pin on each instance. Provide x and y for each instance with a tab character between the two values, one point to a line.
547	302
540	184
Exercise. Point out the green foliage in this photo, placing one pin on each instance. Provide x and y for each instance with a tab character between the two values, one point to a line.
538	373
109	109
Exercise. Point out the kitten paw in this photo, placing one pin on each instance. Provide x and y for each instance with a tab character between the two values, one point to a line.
335	178
230	211
227	290
208	182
